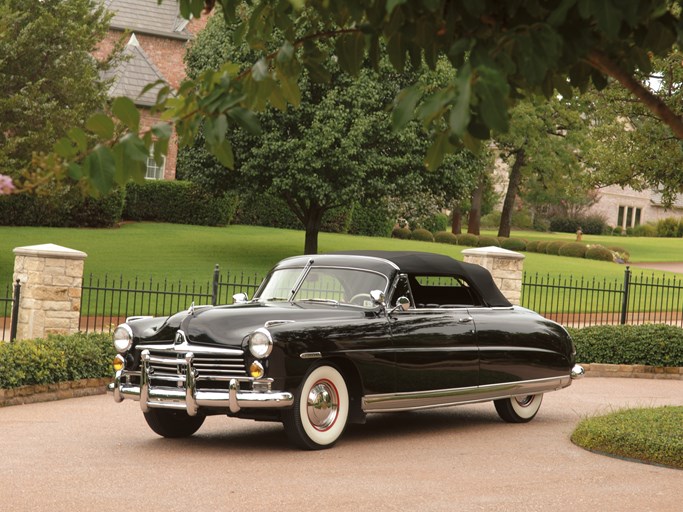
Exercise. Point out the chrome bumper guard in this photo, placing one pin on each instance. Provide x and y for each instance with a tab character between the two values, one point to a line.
577	372
188	397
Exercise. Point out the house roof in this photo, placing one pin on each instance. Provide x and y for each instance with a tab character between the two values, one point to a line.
134	72
148	17
656	200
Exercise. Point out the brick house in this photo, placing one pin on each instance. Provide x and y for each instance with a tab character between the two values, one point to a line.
154	51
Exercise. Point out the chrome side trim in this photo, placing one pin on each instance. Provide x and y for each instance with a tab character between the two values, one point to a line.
310	355
184	347
391	402
273	323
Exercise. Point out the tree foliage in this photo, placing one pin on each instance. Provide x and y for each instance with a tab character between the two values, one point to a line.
48	79
501	51
335	149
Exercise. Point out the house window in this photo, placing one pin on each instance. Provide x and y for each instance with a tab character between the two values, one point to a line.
629	217
154	171
620	218
637	221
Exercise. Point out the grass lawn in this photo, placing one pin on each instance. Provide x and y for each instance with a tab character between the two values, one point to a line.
647	435
175	251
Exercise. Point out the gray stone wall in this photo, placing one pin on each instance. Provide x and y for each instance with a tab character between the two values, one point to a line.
506	267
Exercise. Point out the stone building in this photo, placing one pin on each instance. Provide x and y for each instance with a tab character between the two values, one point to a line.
156	40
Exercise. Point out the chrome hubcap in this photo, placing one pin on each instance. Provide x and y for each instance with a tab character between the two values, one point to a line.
322	405
524	401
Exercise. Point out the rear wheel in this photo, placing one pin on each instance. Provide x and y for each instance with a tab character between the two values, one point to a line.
519	409
170	423
321	408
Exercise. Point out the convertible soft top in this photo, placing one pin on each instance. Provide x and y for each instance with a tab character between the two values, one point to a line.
426	263
412	263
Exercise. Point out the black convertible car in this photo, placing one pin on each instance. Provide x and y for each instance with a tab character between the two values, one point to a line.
329	338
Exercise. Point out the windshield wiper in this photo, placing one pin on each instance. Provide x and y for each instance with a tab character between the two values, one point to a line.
275	299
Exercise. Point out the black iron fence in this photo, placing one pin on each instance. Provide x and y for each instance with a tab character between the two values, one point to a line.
107	301
576	302
9	311
580	302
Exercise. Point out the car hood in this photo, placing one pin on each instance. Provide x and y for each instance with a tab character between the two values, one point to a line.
230	325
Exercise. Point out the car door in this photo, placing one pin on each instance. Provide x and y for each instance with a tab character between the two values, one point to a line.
435	348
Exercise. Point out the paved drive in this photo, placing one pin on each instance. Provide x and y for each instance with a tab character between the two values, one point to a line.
89	454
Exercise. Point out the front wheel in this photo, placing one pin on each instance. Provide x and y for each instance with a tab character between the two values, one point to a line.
518	409
320	411
170	423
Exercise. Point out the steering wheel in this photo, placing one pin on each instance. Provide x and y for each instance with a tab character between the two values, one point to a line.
364	296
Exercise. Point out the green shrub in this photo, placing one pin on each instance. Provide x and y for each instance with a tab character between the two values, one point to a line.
178	202
514	244
55	359
65	207
265	210
617	231
573	250
422	234
590	224
644	230
371	220
445	237
668	228
619	252
598	252
401	233
490	220
541	246
554	247
468	240
532	246
488	241
435	223
648	344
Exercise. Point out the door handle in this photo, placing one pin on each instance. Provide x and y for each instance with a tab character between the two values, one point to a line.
465	320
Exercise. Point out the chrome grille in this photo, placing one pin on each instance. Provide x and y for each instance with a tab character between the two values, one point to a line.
168	364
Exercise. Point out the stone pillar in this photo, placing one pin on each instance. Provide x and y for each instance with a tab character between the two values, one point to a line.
51	277
505	266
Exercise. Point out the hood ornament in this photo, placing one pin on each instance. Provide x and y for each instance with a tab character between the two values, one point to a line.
190	311
180	337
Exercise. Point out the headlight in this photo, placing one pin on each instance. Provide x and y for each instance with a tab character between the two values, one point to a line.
123	338
260	343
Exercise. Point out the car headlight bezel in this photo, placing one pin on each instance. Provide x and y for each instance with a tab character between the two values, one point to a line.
260	343
123	338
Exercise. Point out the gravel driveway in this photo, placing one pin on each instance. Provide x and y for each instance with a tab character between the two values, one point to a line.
89	454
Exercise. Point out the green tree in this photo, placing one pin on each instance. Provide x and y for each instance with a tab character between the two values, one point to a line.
501	51
48	79
337	148
544	149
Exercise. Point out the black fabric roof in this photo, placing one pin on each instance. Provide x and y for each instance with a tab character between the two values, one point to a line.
425	263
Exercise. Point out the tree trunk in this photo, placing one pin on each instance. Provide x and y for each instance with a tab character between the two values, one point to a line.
456	225
511	194
474	221
313	220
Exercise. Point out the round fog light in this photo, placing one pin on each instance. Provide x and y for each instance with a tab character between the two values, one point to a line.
119	363
256	370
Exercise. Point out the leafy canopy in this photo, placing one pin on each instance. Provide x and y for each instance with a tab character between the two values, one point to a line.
501	50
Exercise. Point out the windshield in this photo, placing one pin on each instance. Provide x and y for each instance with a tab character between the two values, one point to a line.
333	285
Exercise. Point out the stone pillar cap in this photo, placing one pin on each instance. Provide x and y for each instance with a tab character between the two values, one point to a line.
494	251
50	251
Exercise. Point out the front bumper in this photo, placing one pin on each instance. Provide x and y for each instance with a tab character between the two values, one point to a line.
186	396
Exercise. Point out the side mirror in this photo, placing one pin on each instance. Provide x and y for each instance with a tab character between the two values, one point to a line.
378	297
240	298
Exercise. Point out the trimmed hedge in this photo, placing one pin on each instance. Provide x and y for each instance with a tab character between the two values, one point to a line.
437	222
598	252
422	235
554	247
514	244
178	202
648	344
488	241
468	239
541	246
66	208
574	250
401	233
445	237
532	246
58	358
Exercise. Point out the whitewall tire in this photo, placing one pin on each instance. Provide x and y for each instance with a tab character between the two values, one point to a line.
519	409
